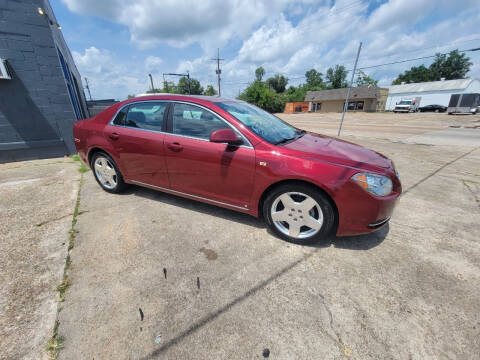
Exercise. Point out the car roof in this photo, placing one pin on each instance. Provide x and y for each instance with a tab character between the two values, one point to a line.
163	96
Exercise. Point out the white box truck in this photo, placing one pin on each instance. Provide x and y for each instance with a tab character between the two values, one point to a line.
407	105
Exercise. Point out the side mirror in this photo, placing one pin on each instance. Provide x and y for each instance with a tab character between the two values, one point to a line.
227	136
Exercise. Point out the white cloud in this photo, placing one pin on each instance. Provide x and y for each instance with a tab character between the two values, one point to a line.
109	78
152	63
265	33
181	22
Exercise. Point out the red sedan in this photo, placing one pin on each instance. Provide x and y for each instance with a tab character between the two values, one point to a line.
232	154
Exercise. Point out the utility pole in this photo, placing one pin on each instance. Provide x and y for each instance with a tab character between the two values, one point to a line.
218	71
151	80
165	85
345	106
188	79
88	89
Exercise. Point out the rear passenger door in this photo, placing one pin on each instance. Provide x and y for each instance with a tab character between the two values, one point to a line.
137	134
199	167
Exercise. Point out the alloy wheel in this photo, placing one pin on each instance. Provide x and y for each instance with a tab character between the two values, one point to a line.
297	215
105	172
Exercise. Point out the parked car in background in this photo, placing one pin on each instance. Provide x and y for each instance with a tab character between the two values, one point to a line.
407	105
232	154
433	108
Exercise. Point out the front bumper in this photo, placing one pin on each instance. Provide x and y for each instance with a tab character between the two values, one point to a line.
360	212
380	223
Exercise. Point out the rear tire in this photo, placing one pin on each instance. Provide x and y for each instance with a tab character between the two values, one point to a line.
106	173
299	213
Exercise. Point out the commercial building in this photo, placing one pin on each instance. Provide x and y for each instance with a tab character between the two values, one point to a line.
362	98
41	92
95	107
432	92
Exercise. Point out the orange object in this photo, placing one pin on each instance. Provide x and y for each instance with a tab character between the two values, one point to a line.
296	107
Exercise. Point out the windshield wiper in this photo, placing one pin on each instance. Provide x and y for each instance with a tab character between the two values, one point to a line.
299	134
285	140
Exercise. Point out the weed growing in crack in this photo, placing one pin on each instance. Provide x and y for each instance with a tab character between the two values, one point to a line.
55	343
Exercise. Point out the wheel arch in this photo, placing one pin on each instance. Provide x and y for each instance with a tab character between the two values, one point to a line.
95	150
303	182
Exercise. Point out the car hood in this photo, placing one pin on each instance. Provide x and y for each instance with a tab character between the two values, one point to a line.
337	151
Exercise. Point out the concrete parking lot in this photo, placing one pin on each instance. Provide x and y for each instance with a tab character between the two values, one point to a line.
157	276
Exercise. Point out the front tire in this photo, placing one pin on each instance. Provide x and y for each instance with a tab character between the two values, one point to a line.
299	213
106	173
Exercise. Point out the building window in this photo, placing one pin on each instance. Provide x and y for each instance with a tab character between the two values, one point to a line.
74	97
355	105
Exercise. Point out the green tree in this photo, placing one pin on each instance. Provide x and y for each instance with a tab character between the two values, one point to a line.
454	66
295	94
130	96
189	86
314	80
363	79
259	73
169	87
336	77
153	91
277	83
259	94
414	75
210	91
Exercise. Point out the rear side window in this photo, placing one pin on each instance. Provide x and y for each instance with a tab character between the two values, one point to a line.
120	118
193	121
148	115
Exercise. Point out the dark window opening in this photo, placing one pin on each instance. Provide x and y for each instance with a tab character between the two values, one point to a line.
193	121
148	116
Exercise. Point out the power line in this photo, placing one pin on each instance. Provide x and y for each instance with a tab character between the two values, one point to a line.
407	60
368	67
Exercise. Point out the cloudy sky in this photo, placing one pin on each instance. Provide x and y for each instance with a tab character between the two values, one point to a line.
117	43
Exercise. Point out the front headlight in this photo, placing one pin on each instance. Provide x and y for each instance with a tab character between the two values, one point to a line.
376	184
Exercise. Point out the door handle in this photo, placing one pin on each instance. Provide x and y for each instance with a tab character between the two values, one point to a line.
175	147
114	136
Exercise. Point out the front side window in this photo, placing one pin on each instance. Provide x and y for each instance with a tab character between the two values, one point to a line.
148	115
193	121
262	123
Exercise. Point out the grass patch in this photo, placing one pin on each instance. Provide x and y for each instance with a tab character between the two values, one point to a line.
83	168
55	343
62	288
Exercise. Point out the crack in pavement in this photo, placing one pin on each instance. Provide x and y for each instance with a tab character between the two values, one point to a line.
438	170
477	200
342	346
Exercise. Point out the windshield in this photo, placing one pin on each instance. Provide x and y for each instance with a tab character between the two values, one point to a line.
262	123
404	102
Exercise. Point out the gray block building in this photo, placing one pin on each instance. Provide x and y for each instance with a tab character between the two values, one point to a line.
41	92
